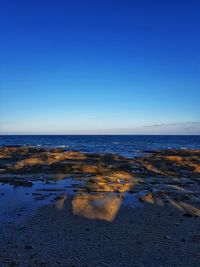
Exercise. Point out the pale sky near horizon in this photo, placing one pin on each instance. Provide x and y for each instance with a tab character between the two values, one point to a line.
127	67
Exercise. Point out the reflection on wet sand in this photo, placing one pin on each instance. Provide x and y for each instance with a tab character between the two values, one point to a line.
60	201
96	206
105	198
99	197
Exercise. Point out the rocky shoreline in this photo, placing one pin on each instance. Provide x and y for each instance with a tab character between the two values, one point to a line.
100	209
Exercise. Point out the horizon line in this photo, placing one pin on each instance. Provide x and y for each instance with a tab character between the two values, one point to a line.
104	134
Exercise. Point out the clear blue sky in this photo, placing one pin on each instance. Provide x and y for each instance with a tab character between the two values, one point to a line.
99	66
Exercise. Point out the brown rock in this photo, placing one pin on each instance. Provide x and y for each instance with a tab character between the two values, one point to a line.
146	197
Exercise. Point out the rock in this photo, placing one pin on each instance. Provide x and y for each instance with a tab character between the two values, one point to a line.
146	196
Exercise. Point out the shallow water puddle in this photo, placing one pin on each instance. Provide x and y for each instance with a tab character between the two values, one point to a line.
16	202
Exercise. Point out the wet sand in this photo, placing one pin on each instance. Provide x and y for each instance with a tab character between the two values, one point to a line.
100	210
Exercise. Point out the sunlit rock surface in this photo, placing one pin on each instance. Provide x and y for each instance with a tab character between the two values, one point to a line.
77	204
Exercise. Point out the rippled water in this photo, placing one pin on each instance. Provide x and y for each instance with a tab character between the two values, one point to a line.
127	145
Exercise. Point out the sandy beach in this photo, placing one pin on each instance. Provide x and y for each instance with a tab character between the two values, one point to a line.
66	208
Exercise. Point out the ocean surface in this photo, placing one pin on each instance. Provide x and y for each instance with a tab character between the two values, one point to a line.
126	145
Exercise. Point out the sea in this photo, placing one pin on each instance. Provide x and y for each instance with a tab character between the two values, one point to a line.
125	145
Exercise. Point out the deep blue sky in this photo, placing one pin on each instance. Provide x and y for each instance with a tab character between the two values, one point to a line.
102	66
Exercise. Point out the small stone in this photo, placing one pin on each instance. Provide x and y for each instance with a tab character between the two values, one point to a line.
146	197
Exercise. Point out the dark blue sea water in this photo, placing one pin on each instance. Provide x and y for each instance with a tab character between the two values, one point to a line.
127	145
